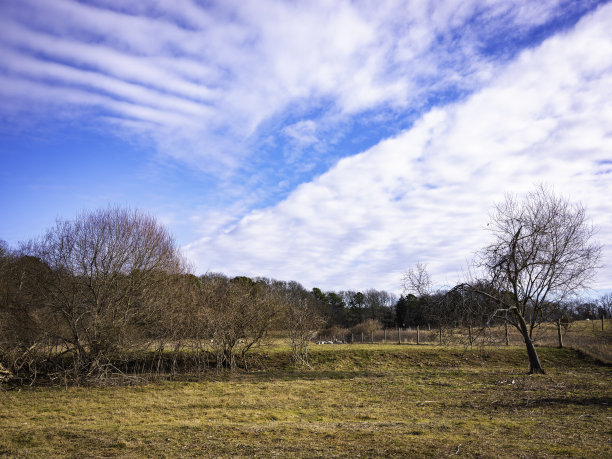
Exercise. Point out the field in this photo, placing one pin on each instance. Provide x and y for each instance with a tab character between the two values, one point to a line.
382	400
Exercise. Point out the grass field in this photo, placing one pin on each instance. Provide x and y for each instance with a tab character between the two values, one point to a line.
359	400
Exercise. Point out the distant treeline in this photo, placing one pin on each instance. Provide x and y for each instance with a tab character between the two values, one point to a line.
346	309
108	295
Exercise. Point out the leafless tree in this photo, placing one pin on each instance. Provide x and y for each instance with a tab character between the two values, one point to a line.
239	314
379	304
605	305
302	320
541	252
417	281
23	324
104	268
174	320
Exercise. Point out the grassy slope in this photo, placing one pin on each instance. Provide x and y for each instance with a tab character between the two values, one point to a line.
370	400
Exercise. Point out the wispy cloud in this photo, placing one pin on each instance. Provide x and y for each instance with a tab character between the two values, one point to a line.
210	82
265	95
425	195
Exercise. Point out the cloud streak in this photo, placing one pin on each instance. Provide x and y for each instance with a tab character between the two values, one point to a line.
269	104
425	194
208	83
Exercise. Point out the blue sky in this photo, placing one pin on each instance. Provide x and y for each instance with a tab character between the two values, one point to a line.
333	143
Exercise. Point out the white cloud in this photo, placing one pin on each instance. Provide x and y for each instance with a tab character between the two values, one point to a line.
425	194
220	87
302	132
226	70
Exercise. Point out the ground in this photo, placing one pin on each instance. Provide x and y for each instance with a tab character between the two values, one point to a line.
359	400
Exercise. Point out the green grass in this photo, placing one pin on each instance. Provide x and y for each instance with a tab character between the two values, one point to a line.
368	400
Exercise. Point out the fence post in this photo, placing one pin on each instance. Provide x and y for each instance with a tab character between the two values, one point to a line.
418	335
506	326
559	333
440	334
399	336
362	337
385	338
602	322
372	336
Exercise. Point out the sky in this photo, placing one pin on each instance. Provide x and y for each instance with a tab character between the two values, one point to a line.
335	143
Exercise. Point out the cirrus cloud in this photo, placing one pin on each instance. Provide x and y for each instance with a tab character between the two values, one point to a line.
425	194
208	84
335	143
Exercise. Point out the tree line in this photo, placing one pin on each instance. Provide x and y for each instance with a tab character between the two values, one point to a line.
446	307
109	294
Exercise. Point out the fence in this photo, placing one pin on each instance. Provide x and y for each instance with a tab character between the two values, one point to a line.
593	337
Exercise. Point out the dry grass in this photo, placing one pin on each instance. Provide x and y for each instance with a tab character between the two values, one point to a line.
373	401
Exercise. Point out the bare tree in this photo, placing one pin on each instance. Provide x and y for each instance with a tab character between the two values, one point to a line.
417	281
379	304
302	320
239	314
605	305
23	324
104	268
541	252
173	320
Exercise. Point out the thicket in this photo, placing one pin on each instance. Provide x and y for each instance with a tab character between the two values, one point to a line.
108	296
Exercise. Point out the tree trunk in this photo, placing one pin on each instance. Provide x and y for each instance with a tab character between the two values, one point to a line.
534	361
506	330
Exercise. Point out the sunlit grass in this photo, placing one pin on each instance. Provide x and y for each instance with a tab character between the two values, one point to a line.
372	400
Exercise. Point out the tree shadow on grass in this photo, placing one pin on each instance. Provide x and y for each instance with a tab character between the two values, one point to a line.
294	375
554	401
